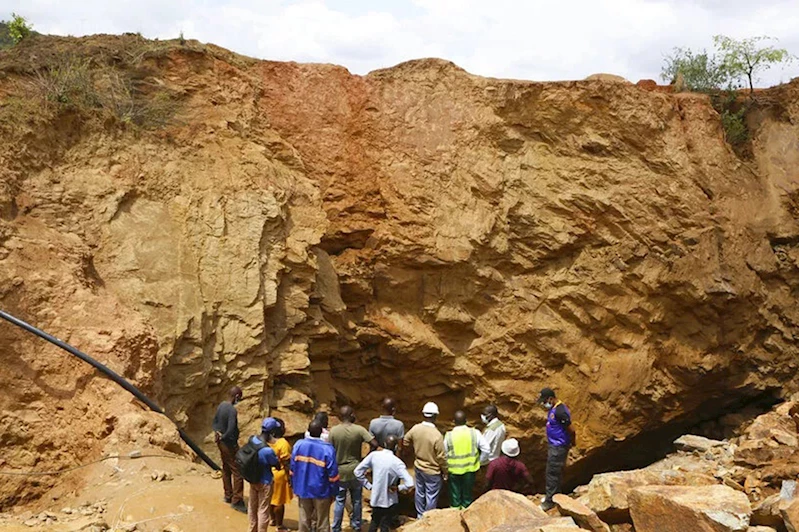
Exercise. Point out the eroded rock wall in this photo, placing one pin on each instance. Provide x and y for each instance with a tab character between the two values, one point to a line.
322	238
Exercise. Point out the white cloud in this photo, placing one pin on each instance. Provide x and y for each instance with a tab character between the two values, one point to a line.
530	39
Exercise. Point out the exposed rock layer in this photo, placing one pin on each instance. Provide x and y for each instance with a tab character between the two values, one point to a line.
322	238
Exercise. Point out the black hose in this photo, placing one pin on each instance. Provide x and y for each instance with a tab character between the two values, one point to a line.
111	374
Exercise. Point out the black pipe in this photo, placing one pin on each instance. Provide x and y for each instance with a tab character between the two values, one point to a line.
111	374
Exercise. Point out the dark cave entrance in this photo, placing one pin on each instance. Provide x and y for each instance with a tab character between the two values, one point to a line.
716	418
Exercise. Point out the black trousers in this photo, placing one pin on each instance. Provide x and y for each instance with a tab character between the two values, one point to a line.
556	461
383	518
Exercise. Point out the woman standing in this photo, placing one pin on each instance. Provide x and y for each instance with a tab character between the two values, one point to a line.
281	493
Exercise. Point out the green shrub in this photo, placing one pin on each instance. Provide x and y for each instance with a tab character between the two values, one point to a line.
735	63
701	72
18	28
734	124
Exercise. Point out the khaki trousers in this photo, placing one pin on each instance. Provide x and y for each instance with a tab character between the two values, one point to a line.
258	506
315	507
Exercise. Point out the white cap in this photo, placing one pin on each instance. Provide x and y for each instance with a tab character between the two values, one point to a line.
430	409
511	447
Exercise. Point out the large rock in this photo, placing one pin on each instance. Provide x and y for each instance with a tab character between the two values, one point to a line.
789	510
682	508
609	77
544	524
690	443
582	515
767	512
500	507
607	493
437	521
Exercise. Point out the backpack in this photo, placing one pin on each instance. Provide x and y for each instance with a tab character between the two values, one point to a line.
247	462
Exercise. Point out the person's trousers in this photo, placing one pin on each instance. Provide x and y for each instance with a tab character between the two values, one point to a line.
556	461
355	489
428	487
231	480
461	489
383	518
314	507
258	506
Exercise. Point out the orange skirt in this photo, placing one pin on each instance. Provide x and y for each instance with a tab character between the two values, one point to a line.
281	492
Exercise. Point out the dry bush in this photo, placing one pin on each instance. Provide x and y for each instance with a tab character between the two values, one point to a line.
129	102
69	84
72	83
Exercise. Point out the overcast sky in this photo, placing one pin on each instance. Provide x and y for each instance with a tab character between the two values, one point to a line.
526	39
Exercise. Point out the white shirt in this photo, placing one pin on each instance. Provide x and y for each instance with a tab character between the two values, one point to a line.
387	470
325	436
493	437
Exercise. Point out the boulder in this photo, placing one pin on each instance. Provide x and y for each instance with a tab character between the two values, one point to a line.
437	521
500	507
767	512
607	493
622	527
582	514
694	508
608	77
648	84
691	443
789	510
544	524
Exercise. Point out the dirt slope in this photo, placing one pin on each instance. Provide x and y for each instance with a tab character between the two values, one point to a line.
196	219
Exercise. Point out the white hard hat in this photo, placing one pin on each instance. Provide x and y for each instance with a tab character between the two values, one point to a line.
430	409
511	447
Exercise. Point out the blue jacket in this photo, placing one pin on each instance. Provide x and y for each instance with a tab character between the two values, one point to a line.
266	458
314	471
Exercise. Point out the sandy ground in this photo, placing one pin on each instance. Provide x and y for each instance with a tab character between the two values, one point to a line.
191	500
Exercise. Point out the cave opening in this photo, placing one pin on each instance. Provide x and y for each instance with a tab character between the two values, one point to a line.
716	418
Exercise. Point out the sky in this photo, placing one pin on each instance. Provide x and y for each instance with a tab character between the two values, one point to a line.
522	39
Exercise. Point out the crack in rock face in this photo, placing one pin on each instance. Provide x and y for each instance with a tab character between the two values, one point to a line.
322	239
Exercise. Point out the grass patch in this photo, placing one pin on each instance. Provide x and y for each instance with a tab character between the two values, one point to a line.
76	84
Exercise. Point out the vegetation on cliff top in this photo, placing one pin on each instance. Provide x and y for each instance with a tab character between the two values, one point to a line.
734	65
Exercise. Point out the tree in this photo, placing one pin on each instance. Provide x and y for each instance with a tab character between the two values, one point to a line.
745	58
18	28
701	72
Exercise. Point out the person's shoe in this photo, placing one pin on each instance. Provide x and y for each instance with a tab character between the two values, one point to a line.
239	507
547	505
226	499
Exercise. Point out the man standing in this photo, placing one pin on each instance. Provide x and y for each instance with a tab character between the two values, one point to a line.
430	460
560	437
261	491
386	425
348	438
463	446
507	471
387	471
226	435
322	418
494	434
314	473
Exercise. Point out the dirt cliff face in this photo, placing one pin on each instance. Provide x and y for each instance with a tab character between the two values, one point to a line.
324	239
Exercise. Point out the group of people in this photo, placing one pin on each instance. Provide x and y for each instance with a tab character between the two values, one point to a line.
328	465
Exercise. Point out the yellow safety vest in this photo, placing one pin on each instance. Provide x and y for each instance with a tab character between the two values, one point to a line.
463	454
